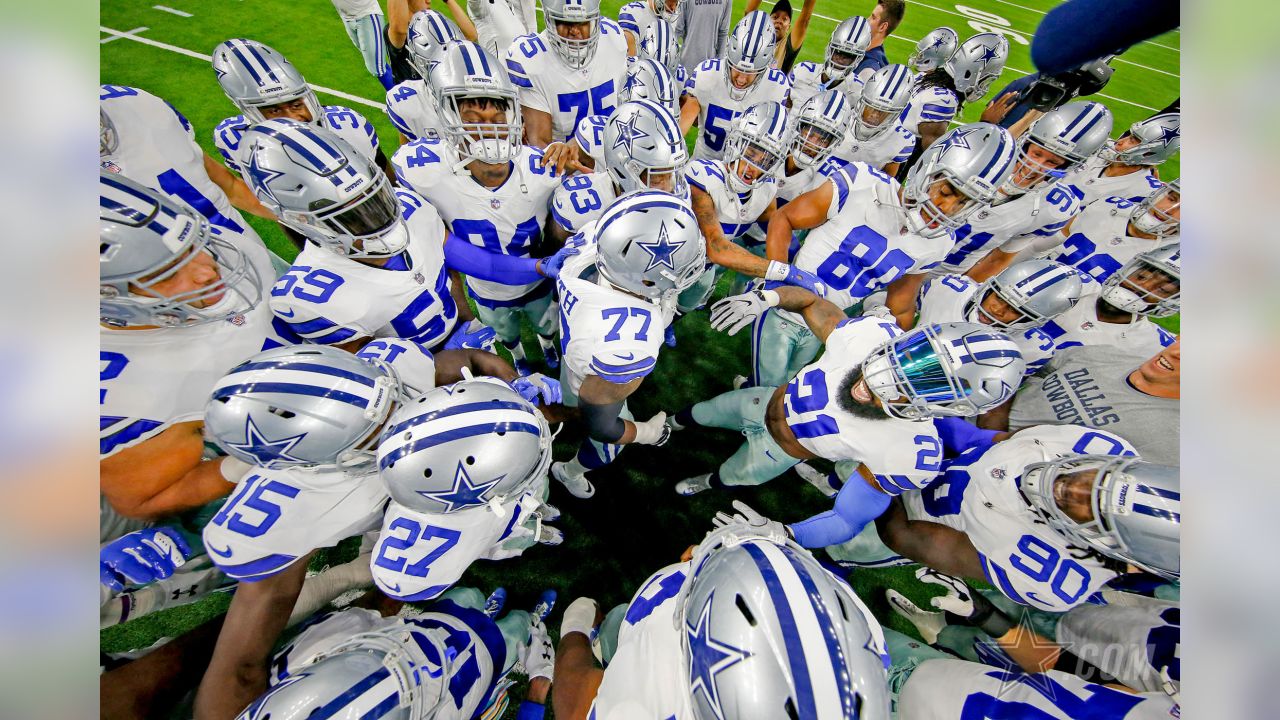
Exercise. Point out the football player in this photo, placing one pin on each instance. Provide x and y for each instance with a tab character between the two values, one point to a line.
635	19
747	624
411	105
861	401
933	50
1018	301
877	136
491	190
940	94
659	43
1119	312
307	419
179	305
1048	516
448	660
1033	205
264	85
617	297
721	89
578	76
1108	234
466	467
845	50
374	266
147	140
867	233
1126	168
645	79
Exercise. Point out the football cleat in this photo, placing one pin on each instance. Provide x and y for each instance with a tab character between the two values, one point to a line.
495	602
694	485
577	485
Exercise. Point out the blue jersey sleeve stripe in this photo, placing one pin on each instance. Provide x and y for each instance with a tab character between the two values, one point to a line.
625	378
337	336
127	434
561	220
312	326
259	569
400	124
895	484
420	596
817	427
842	180
642	364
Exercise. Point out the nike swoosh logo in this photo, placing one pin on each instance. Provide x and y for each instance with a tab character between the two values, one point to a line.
628	356
283	314
1032	596
393	588
220	553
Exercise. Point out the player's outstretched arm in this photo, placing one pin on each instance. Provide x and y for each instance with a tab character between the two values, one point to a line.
805	212
719	250
689	110
239	669
991	264
576	679
937	546
166	474
537	126
449	365
901	298
822	316
467	27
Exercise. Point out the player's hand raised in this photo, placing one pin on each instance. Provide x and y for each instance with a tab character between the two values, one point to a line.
735	313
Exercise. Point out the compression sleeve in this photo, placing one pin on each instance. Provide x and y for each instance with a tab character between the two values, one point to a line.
857	504
603	423
482	264
958	435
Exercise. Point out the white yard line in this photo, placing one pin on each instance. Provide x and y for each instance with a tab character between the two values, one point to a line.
166	8
119	35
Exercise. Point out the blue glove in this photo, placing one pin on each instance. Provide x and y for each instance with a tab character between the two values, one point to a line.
142	557
472	336
551	266
958	434
807	280
670	338
537	385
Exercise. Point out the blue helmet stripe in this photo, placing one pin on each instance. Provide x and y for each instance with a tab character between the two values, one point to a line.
341	702
620	209
1003	152
1158	513
896	77
451	435
1159	492
307	155
466	58
245	62
266	66
839	663
975	338
306	367
790	634
291	388
1055	274
1092	113
452	411
484	61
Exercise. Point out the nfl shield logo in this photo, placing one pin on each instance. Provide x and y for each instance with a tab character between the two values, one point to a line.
419	278
495	203
997	473
110	167
238	320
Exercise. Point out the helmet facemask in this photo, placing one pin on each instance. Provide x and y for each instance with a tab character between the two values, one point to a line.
752	157
736	93
1150	217
839	63
1031	172
870	122
1145	288
493	143
576	53
366	226
914	380
108	138
924	217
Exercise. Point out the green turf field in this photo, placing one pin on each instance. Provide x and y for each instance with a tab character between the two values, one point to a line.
635	524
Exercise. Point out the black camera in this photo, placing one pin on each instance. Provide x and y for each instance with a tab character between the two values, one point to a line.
1051	91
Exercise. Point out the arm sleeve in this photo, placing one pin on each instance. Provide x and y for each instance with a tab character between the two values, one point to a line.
857	504
603	421
1070	35
958	434
479	263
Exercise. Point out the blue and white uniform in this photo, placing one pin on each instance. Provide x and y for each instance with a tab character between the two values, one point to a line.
1132	187
546	83
1032	220
1100	243
582	199
709	83
276	516
412	108
946	689
589	135
894	145
902	454
157	148
344	122
806	81
943	299
931	104
636	17
1022	557
330	299
737	213
1148	629
1080	326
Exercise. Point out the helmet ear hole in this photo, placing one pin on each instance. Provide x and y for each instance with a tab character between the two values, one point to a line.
790	707
426	473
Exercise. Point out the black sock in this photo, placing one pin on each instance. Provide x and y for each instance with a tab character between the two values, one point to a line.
716	482
685	417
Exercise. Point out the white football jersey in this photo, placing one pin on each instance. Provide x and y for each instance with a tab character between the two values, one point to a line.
864	244
474	682
420	555
806	81
943	299
500	22
1100	243
506	219
1148	629
581	199
636	17
276	516
330	299
412	109
589	135
709	83
737	213
603	331
931	104
789	187
344	122
944	689
903	454
157	148
1132	187
1080	326
151	379
1034	218
894	145
1021	556
546	83
645	678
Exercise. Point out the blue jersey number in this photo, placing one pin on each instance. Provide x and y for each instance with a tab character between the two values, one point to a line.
653	595
862	264
316	286
1084	256
411	325
422	155
414	533
717	129
621	315
1100	701
112	365
1041	562
380	350
483	233
975	242
579	186
252	496
595	101
808	394
177	186
929	456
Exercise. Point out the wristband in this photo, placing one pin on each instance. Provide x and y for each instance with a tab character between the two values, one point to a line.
777	271
579	617
771	297
530	710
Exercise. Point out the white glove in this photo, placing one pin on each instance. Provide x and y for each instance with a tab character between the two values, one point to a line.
753	523
580	617
654	431
734	313
958	600
539	658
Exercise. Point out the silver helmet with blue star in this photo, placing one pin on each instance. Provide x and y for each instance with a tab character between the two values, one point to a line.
643	148
934	49
648	244
302	405
767	632
757	145
430	32
647	79
254	76
848	45
462	446
1148	142
977	63
970	162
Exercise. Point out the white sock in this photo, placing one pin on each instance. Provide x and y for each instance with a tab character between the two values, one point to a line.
573	468
321	589
516	349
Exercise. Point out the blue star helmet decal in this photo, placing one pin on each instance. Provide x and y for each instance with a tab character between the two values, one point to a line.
261	176
633	81
1168	134
267	452
988	54
661	250
958	138
708	658
939	41
628	133
464	493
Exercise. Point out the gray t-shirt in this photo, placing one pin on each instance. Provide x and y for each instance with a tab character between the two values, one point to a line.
1090	386
703	29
